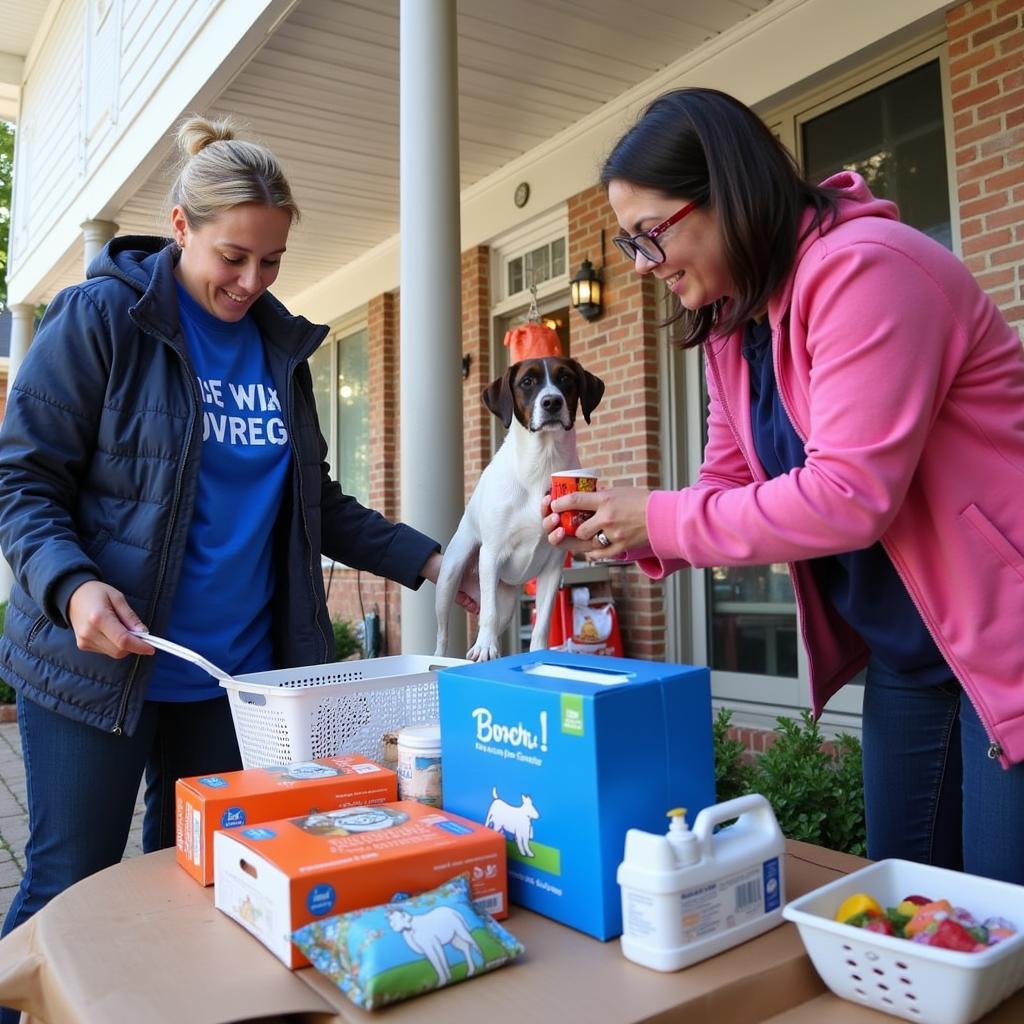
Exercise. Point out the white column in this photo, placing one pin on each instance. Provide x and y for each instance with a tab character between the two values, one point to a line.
431	310
95	235
23	323
23	326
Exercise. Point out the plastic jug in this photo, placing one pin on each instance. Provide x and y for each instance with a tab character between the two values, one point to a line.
689	895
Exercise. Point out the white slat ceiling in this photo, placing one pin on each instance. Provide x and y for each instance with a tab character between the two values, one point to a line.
324	94
20	23
21	20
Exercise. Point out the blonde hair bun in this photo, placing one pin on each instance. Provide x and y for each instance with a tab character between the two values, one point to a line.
197	133
215	178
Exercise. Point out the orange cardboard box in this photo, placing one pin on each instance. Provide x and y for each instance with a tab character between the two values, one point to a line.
205	803
275	877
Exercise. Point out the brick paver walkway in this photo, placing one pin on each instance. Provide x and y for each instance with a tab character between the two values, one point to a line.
14	817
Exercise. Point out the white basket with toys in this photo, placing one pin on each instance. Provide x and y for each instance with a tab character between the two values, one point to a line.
925	943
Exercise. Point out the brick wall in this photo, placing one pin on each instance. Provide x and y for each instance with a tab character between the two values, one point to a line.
757	741
622	440
986	68
476	345
476	332
383	343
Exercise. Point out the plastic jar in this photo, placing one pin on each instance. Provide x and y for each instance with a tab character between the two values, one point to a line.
419	764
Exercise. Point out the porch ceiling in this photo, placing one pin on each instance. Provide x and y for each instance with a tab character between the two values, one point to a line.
324	94
21	20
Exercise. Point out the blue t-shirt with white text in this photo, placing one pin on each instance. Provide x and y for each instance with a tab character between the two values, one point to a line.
222	604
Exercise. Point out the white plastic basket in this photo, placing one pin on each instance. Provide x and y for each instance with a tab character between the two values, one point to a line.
904	978
296	714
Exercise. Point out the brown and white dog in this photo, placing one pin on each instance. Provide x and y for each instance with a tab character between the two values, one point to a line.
537	400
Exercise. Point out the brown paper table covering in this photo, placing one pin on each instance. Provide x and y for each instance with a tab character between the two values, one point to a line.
141	942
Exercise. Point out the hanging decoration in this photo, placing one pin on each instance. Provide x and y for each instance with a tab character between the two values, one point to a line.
534	339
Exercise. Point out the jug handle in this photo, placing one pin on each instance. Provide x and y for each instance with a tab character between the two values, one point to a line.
753	807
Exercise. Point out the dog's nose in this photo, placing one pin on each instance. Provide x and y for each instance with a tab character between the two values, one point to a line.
551	403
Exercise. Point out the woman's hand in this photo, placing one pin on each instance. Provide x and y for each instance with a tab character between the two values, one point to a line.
468	595
101	618
620	512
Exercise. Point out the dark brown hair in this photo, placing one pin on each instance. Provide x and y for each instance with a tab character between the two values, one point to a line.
704	146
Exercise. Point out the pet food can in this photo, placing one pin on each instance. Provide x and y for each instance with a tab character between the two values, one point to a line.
569	481
419	764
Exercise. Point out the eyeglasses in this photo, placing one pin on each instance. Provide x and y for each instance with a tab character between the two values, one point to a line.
645	244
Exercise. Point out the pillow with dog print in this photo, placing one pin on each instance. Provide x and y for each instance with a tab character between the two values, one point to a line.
397	950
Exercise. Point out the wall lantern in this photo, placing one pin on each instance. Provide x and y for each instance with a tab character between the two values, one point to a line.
585	289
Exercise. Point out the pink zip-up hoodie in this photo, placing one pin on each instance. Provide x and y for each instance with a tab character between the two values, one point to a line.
907	387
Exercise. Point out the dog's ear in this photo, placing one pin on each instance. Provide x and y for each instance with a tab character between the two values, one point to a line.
498	398
591	390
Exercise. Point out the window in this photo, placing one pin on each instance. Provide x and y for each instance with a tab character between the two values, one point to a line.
340	369
751	620
537	266
894	136
353	438
533	254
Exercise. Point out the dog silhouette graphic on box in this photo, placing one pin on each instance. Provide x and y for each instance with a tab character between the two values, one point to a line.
429	933
516	821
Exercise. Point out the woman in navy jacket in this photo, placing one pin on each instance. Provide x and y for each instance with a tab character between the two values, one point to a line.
162	469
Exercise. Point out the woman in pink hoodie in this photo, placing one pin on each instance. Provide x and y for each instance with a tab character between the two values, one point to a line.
866	425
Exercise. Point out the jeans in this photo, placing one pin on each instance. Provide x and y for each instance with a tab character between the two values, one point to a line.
82	784
931	792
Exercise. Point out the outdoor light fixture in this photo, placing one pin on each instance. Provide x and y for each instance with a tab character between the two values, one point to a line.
585	289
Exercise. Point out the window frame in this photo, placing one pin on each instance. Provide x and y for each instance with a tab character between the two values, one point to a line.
539	231
337	342
787	121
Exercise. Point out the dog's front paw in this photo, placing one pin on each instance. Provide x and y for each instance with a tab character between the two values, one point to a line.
483	650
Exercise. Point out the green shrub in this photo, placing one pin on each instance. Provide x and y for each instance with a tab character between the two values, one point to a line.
733	770
346	643
847	827
6	693
817	795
